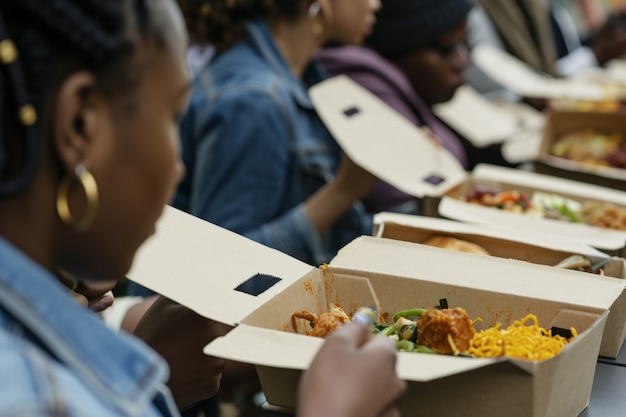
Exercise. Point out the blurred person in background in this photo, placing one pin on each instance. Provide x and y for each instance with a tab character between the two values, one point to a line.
414	58
259	159
543	34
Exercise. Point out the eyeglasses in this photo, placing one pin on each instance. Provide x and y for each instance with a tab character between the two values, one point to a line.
446	50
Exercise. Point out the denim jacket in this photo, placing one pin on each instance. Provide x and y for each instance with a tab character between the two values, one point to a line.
59	359
255	150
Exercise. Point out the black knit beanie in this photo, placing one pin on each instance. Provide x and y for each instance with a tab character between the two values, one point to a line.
406	25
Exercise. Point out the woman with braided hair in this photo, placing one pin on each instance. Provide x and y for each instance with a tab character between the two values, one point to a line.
259	160
90	92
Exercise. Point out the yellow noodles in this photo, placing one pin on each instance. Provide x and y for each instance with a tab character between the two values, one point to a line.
518	341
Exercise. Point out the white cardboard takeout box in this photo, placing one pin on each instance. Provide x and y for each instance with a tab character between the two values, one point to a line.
525	81
385	143
560	123
544	250
520	245
485	123
206	268
453	206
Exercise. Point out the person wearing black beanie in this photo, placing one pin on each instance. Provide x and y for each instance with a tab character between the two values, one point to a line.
413	59
425	39
403	26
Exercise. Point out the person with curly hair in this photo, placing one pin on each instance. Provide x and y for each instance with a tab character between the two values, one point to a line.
259	159
200	50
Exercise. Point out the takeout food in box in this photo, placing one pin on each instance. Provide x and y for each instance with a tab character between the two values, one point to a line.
229	278
589	147
544	250
551	206
389	146
520	245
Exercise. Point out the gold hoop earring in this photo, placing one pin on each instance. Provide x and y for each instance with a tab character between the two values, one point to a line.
88	183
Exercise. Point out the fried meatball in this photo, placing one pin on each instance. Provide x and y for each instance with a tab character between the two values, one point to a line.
440	329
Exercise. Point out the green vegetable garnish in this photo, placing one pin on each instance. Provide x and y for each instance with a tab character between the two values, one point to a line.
408	332
422	349
387	331
405	345
414	312
571	215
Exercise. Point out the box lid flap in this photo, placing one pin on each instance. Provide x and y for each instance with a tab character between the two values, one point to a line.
603	239
524	149
522	79
273	348
384	142
575	166
614	72
550	183
265	347
410	260
482	122
424	367
597	237
189	260
521	236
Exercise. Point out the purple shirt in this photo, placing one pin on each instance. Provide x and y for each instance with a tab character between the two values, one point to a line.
388	83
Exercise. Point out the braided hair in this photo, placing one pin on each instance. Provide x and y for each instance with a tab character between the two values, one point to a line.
45	41
221	22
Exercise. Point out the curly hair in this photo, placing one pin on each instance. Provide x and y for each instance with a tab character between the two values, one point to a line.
52	39
221	22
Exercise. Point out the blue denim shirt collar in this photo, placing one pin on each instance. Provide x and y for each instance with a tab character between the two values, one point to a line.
263	42
120	368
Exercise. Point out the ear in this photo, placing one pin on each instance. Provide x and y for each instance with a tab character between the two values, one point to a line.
325	15
325	5
79	110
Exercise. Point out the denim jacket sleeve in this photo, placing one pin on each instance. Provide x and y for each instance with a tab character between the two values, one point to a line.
35	386
243	167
